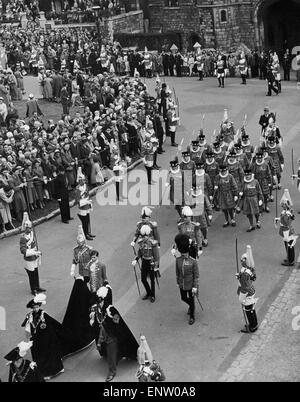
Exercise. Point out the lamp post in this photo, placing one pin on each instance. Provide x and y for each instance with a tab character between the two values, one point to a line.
97	14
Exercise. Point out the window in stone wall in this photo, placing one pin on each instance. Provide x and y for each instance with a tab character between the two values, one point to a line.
223	15
171	3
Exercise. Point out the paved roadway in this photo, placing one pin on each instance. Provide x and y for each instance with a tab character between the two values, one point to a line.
204	351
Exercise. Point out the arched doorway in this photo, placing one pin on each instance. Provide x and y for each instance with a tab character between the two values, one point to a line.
278	24
194	38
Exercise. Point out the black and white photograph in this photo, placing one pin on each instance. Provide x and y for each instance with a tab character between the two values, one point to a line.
149	194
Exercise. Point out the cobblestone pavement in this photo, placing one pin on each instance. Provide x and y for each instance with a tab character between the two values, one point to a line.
273	353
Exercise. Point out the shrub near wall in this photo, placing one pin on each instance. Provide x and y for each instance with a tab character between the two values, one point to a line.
153	41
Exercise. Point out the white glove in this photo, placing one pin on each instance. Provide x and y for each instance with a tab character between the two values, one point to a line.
134	263
210	217
173	251
200	252
194	291
210	197
276	220
241	194
236	198
260	203
216	187
132	244
167	185
282	166
72	272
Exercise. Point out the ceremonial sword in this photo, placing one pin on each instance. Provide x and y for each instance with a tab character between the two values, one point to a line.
136	278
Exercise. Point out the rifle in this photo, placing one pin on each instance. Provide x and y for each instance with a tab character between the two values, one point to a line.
136	278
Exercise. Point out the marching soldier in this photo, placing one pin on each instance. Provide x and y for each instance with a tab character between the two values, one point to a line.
286	230
235	169
187	163
187	167
241	157
172	123
176	186
149	254
211	167
202	211
199	63
32	256
262	173
219	154
187	274
204	146
21	369
269	162
119	168
195	151
273	131
148	157
252	199
192	229
247	148
146	215
84	205
227	195
246	292
82	255
277	159
202	179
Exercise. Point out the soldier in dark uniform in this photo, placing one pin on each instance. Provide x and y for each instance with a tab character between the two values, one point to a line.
219	154
175	183
235	169
263	175
252	199
246	292
241	157
247	148
211	167
227	195
204	146
146	215
264	118
192	229
149	254
20	369
187	274
277	158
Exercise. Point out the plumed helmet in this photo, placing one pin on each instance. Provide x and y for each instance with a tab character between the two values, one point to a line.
146	212
186	211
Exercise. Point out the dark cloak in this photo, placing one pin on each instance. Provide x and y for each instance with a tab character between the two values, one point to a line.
46	350
27	373
77	321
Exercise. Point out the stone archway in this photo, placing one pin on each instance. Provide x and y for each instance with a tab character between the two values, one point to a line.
193	38
277	24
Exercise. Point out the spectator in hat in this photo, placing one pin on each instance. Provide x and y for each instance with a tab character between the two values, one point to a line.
61	193
3	112
32	106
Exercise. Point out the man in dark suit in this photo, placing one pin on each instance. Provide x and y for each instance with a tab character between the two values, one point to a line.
61	193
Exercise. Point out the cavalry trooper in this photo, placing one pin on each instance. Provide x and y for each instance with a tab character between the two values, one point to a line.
227	129
192	229
246	292
149	254
146	215
187	274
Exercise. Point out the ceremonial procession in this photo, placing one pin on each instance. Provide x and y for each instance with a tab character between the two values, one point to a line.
149	199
